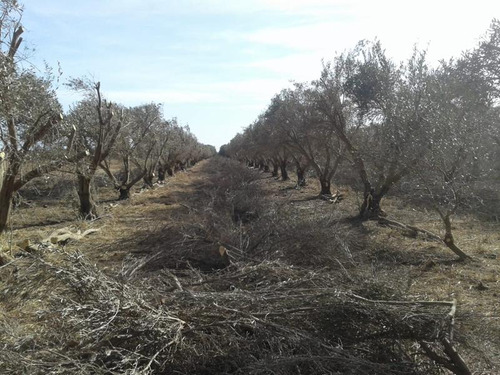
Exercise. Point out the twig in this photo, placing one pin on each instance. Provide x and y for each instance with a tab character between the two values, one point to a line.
8	264
441	303
345	270
176	280
395	223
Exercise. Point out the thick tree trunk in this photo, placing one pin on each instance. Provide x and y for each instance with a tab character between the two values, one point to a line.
275	170
370	208
2	167
88	208
325	186
284	173
124	193
161	174
449	241
148	179
301	176
6	196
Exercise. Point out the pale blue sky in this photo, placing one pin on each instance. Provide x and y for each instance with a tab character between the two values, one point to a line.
216	64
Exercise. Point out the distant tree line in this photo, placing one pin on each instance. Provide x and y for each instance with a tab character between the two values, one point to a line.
130	144
431	131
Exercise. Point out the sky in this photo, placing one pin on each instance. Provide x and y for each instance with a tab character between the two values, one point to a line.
216	64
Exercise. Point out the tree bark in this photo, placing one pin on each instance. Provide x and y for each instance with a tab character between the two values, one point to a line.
449	241
88	208
124	193
148	180
6	196
301	176
284	173
275	170
161	174
370	208
325	186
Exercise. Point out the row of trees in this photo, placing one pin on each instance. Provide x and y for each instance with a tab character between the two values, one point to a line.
433	130
129	143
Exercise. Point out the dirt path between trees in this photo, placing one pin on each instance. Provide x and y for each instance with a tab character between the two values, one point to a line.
125	224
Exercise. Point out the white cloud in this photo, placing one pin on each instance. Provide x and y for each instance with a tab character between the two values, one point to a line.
445	28
135	97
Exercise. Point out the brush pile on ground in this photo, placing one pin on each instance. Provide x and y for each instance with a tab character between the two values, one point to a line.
267	311
266	318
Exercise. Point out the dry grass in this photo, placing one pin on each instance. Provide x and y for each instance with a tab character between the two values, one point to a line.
146	294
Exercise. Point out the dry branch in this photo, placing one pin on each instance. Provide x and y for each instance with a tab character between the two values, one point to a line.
397	224
92	323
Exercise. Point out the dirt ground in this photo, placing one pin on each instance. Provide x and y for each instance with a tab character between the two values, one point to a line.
418	268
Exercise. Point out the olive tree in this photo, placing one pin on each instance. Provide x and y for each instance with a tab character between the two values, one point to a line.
30	116
138	147
462	119
378	110
181	150
308	134
97	131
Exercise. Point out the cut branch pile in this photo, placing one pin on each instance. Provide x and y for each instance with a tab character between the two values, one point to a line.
265	318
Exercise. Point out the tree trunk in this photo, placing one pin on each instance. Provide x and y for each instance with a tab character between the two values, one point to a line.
370	208
88	208
6	196
2	166
148	180
124	193
325	186
161	174
449	241
301	176
275	170
284	173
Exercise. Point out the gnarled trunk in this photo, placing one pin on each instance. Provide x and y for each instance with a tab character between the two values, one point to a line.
449	241
161	174
370	208
284	173
148	179
6	196
275	170
301	176
124	193
325	186
88	208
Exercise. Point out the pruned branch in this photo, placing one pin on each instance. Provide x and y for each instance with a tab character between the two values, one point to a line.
44	169
16	41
